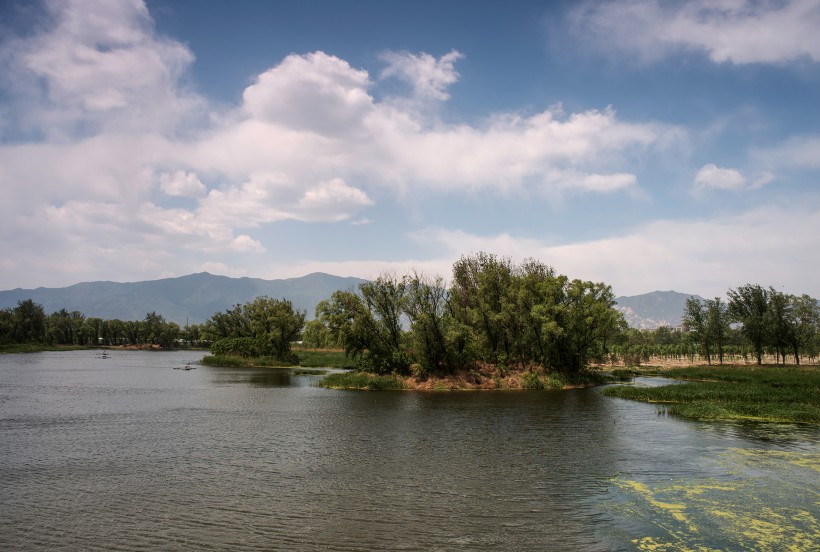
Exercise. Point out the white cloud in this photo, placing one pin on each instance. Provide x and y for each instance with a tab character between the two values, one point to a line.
429	77
99	64
108	152
704	257
735	31
182	184
314	92
802	152
711	176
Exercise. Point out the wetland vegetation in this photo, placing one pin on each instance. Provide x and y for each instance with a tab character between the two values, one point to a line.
739	393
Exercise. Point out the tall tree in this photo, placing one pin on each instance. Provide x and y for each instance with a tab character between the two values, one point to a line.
802	322
275	321
748	305
369	323
717	324
29	322
777	315
695	323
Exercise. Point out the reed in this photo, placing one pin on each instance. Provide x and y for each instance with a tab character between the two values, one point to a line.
362	380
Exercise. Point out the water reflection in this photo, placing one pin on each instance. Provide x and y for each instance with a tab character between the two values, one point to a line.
267	377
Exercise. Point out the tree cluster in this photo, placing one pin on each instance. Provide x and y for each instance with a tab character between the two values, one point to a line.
494	311
786	323
756	321
262	327
28	323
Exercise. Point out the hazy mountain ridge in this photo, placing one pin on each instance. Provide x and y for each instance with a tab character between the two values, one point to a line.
193	298
651	310
196	297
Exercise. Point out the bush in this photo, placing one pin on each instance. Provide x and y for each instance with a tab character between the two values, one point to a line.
240	346
530	380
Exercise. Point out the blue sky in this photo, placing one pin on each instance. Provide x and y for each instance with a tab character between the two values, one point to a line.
646	144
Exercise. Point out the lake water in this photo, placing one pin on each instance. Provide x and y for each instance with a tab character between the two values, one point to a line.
126	453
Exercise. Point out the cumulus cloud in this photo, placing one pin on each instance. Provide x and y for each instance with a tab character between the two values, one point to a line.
734	31
428	77
109	155
98	64
316	92
182	184
711	176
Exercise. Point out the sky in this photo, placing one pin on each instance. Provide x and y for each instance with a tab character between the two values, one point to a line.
648	144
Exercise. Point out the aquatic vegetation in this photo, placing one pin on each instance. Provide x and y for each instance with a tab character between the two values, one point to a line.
767	501
773	394
306	359
362	380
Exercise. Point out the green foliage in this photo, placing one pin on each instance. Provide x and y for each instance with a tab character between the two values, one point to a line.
368	324
245	347
530	380
233	361
324	359
360	380
527	313
495	311
271	325
748	305
736	393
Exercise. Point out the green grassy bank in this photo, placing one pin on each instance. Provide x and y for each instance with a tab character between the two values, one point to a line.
307	358
39	348
751	393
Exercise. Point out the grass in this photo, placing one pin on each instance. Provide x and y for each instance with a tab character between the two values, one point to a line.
39	348
323	358
771	394
362	380
308	358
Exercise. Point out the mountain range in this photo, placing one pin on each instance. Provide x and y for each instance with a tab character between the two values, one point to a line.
652	310
186	299
196	297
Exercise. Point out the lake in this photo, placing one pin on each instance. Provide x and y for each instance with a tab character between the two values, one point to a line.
126	453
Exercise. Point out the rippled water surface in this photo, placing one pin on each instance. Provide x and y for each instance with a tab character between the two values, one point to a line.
126	453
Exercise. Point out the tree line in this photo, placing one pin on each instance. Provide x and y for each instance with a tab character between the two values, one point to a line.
28	323
769	320
493	311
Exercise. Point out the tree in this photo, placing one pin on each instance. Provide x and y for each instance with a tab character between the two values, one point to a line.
717	324
802	323
439	342
275	321
316	334
29	322
748	305
694	322
477	294
231	323
369	324
586	320
777	315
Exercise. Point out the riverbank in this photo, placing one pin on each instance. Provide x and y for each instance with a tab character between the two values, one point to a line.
485	377
303	358
786	394
39	348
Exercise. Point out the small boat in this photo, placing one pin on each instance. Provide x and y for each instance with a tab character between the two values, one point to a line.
188	366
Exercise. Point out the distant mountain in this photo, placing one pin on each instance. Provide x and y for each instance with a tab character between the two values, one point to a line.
651	310
193	298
